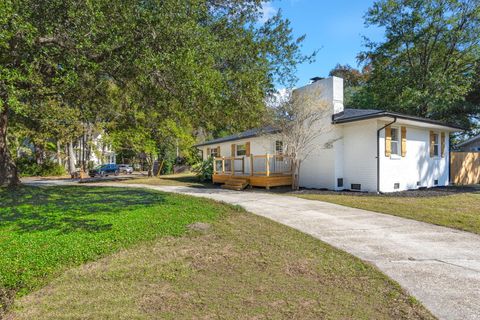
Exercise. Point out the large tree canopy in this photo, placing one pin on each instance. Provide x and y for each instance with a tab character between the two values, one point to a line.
427	63
162	68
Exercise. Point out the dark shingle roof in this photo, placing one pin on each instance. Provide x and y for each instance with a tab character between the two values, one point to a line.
353	113
350	115
242	135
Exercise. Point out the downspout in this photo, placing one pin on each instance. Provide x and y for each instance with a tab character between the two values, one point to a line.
378	151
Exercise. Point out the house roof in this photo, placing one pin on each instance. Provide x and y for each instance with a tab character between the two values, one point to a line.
468	141
350	115
242	135
347	115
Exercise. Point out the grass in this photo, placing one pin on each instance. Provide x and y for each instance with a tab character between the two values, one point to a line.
244	266
98	252
459	211
180	179
45	230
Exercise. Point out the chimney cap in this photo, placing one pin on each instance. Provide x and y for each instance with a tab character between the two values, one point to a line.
315	79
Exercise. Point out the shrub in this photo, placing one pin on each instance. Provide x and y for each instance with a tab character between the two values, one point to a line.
28	167
204	169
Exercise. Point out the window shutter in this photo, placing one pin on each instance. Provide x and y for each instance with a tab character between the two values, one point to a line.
404	141
432	144
208	152
388	141
233	150
218	152
247	149
443	144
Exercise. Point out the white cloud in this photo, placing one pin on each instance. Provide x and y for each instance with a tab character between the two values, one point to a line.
267	11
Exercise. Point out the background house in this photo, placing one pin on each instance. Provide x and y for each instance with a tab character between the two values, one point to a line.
472	144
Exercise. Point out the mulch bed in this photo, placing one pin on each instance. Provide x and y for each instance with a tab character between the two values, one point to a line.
424	192
427	192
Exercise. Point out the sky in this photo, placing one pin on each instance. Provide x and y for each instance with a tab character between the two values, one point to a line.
334	28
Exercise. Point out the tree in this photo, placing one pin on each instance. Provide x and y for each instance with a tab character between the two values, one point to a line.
45	48
200	64
354	80
300	118
426	65
351	77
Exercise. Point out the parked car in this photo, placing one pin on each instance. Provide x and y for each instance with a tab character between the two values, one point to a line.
104	170
125	168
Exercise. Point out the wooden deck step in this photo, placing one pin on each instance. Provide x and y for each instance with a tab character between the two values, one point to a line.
230	187
235	183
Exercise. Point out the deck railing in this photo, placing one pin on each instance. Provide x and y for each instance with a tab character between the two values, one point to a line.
258	165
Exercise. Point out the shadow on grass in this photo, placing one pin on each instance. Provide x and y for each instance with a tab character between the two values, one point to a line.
192	181
68	209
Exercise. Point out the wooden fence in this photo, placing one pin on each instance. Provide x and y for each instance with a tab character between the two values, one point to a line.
465	167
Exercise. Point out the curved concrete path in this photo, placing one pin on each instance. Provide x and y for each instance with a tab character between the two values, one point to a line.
437	265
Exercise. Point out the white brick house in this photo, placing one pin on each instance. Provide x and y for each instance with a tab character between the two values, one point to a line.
366	150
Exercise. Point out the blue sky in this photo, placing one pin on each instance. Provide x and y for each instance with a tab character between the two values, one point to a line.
335	28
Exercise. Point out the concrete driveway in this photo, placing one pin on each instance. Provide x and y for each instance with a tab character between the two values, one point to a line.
439	266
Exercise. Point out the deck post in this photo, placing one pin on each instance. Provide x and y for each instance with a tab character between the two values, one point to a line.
214	165
233	165
251	164
267	165
243	165
223	165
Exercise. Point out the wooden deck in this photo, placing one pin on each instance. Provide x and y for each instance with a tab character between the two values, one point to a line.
255	170
256	181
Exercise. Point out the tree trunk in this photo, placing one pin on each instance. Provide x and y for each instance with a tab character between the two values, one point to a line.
71	158
150	163
38	151
59	153
8	170
295	174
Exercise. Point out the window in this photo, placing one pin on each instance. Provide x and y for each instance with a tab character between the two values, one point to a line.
241	149
395	142
340	182
214	152
356	186
279	147
436	146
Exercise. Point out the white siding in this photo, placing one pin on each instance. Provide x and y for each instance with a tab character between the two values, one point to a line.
417	165
360	152
321	169
258	146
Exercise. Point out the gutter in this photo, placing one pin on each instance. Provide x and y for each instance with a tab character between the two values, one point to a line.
378	151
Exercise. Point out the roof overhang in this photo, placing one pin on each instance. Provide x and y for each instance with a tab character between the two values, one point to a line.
240	136
402	118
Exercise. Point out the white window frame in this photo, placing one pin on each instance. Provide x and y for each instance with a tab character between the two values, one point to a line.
436	143
214	152
243	152
397	141
279	151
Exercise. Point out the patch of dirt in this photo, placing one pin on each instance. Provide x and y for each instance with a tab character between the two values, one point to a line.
6	300
199	226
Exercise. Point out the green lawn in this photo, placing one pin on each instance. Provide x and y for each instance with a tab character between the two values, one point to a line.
147	264
44	230
460	211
